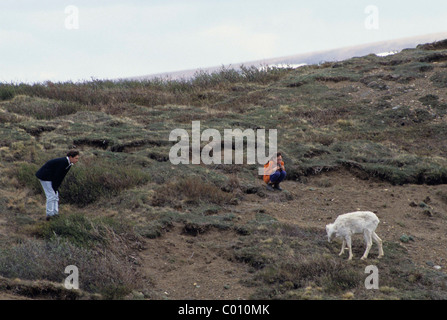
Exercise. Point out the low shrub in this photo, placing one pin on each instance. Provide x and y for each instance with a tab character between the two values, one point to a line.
6	93
103	271
41	108
76	229
439	79
84	184
26	176
327	272
191	190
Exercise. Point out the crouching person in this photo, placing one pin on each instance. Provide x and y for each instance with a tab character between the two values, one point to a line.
51	175
274	173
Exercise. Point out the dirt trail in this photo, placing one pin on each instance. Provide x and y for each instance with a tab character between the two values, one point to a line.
188	267
198	267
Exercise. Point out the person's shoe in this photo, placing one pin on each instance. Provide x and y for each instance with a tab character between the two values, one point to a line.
269	187
277	187
48	218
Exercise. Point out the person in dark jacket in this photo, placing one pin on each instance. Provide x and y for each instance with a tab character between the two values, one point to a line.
51	175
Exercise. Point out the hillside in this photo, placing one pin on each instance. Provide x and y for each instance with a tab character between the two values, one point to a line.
309	58
368	133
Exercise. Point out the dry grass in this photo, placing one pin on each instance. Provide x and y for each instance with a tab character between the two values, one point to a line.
102	249
191	191
368	115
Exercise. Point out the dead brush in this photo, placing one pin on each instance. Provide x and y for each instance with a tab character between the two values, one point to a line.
191	190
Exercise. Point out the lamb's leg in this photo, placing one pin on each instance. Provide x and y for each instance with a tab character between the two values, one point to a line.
379	243
368	240
342	247
348	242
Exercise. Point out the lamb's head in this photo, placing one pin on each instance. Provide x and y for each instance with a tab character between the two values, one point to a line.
330	230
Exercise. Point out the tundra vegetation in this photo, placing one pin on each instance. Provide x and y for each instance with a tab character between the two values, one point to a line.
375	119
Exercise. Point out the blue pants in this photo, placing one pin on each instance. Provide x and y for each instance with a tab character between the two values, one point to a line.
277	177
52	198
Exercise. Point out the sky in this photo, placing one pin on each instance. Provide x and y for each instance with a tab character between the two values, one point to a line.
79	40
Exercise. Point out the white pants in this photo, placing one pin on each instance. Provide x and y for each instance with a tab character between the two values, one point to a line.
52	198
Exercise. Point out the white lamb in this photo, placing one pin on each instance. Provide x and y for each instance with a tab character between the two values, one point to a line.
355	222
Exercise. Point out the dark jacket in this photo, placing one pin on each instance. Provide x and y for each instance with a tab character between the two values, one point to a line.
55	171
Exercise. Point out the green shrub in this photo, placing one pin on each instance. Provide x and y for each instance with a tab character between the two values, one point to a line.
191	190
431	174
404	73
12	136
433	101
439	79
147	92
263	75
429	100
26	176
84	185
77	229
6	93
107	273
35	260
326	272
41	108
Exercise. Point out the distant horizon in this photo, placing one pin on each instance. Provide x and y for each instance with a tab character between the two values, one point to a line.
343	53
49	40
388	46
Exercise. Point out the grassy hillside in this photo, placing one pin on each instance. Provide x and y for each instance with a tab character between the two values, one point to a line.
368	123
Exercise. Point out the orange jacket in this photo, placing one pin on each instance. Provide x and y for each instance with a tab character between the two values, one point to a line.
269	170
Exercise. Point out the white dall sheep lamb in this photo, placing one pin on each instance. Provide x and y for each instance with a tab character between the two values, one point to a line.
355	222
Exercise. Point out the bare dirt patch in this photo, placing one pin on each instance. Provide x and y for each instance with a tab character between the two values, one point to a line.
194	267
200	267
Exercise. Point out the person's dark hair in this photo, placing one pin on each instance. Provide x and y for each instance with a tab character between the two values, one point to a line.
72	153
274	157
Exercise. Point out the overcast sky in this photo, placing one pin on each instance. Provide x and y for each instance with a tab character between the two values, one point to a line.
80	40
